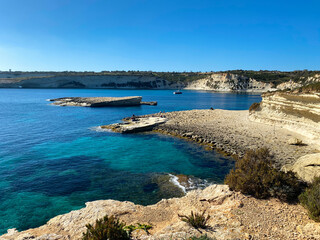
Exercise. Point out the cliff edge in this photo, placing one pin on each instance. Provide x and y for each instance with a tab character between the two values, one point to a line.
233	216
298	112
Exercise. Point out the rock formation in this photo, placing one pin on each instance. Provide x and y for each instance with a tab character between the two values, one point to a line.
215	82
226	82
100	101
136	125
233	216
307	167
297	112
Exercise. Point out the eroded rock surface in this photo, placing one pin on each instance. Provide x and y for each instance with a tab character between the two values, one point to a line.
307	167
136	125
297	112
233	216
229	82
97	101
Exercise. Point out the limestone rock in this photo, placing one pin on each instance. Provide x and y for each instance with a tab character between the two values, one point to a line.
307	167
229	82
296	112
294	141
97	101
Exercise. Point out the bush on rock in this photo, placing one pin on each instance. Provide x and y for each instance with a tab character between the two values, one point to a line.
107	228
255	175
196	220
310	199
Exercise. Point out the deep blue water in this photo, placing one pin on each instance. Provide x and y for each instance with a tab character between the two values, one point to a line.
52	161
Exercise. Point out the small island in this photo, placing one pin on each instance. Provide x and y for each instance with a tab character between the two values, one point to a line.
100	101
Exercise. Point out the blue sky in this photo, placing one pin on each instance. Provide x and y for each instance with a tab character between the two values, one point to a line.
159	35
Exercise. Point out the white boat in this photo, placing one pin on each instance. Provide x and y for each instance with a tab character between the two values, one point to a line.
177	92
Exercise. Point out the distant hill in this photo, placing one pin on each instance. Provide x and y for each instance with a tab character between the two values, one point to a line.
232	80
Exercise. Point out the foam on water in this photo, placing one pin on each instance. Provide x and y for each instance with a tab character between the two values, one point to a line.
174	179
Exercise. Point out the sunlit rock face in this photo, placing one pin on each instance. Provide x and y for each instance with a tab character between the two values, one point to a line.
229	82
60	80
294	111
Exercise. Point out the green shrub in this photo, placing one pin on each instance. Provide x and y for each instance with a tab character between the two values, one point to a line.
254	107
197	220
310	199
255	175
107	228
144	227
202	237
310	88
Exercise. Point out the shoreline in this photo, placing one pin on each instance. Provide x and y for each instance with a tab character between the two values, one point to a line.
232	133
233	214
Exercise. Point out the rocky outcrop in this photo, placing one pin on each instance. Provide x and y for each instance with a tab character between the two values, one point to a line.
306	167
233	216
226	82
297	112
97	101
136	125
290	85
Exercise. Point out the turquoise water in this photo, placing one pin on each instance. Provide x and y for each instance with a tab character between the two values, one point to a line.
53	161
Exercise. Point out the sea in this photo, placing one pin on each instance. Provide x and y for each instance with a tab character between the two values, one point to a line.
54	159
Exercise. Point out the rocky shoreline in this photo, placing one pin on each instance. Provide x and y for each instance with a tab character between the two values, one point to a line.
233	216
232	133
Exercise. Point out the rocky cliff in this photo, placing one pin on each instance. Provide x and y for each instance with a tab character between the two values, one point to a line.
229	82
233	216
86	81
237	80
213	81
298	112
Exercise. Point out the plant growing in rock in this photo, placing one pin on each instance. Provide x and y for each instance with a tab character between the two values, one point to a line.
255	175
196	220
310	199
107	228
202	237
254	106
131	228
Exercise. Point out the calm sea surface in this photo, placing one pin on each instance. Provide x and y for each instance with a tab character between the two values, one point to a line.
52	160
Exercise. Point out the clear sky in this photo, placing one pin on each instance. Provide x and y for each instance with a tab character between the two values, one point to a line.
159	35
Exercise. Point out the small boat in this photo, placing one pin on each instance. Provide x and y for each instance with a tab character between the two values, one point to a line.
177	92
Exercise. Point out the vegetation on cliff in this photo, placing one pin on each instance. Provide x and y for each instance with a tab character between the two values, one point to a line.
310	199
110	228
107	228
196	220
254	106
255	175
310	88
275	77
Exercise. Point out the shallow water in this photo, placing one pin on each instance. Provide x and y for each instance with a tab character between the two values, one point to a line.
53	161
